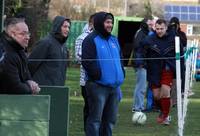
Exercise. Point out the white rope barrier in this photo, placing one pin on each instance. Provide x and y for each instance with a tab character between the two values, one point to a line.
161	58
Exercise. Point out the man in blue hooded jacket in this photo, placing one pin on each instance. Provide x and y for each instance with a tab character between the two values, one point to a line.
101	59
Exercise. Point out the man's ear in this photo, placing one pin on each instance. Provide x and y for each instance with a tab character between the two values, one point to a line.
12	35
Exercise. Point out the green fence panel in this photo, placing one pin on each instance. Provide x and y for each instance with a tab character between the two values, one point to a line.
75	30
59	112
24	115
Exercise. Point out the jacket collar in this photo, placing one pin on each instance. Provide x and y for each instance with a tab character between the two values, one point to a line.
13	43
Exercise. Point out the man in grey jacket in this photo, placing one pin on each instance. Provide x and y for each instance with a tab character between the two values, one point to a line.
47	62
140	67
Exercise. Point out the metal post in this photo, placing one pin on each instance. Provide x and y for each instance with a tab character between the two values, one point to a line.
108	6
1	15
94	3
178	84
125	7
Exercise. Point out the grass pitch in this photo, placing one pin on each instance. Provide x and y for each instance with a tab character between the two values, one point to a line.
124	126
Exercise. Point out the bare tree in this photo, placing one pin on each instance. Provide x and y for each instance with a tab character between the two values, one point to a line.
35	13
74	11
11	7
148	10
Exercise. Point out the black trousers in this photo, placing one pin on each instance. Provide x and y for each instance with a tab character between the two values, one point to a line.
85	107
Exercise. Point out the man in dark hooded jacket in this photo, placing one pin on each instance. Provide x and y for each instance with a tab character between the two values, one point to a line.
101	60
47	62
14	74
175	29
140	69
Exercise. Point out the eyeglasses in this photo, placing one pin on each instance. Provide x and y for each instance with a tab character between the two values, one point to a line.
24	34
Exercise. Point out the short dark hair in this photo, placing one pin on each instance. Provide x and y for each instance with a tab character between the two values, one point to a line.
161	21
13	21
91	18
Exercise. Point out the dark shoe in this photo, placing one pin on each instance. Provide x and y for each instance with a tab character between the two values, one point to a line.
145	110
155	110
174	105
134	110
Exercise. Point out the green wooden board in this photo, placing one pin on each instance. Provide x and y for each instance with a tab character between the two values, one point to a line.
23	128
59	113
24	107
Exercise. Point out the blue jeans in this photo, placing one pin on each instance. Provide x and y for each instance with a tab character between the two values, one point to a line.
140	89
103	107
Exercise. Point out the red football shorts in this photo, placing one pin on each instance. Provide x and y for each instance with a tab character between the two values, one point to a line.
166	78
